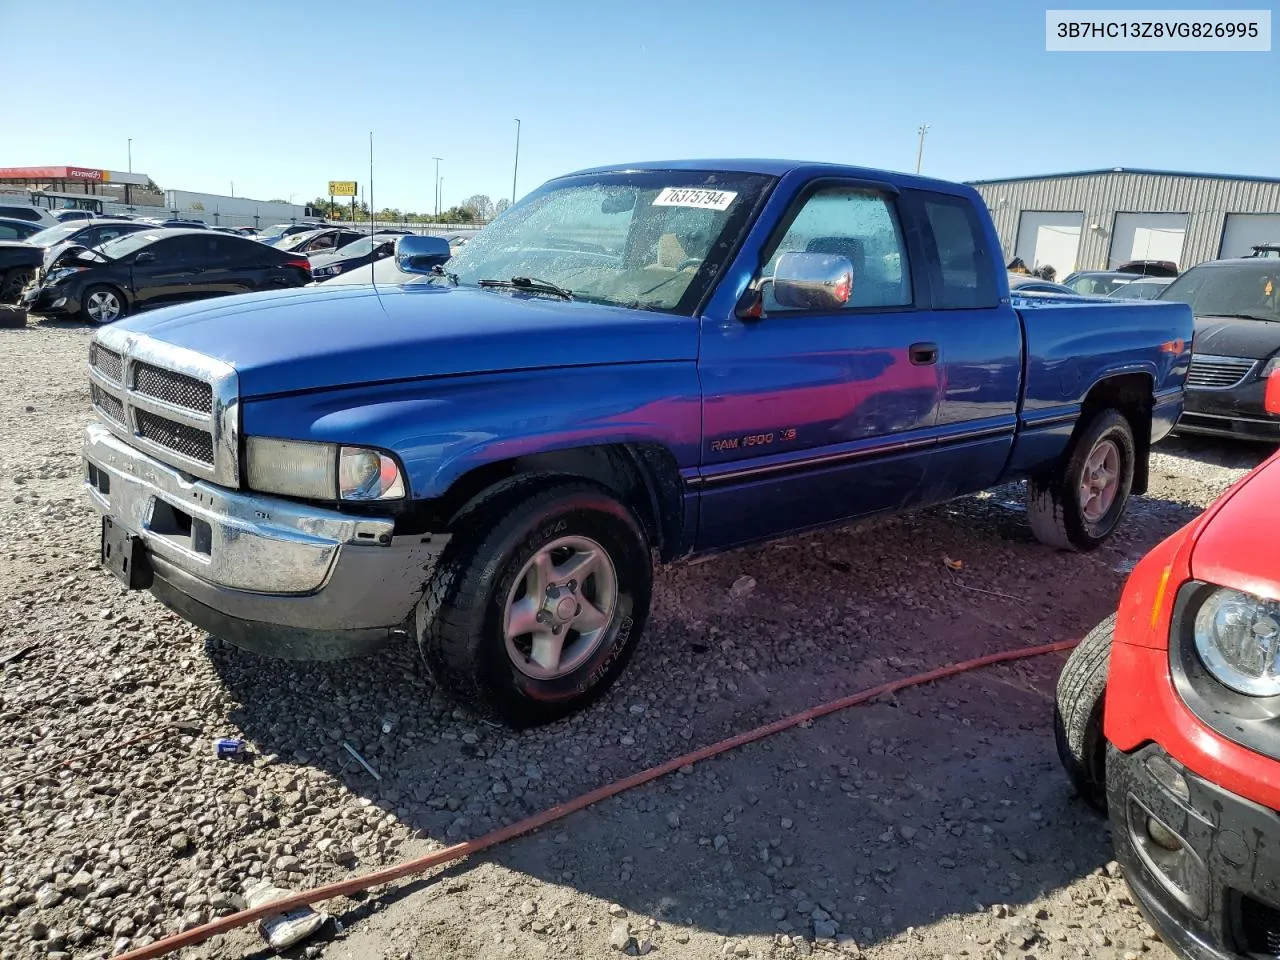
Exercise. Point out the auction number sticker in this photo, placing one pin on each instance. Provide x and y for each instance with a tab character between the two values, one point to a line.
695	197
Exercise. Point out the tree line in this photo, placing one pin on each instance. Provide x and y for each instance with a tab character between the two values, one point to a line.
475	209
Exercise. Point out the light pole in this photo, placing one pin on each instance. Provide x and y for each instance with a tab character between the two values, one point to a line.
233	189
924	128
437	160
515	169
440	190
131	154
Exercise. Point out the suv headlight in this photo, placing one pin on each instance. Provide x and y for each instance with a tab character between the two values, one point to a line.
322	471
1238	638
1270	367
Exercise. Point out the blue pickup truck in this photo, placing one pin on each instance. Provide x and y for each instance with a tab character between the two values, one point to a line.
632	364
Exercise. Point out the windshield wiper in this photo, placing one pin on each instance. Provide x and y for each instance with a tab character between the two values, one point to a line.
531	284
1248	316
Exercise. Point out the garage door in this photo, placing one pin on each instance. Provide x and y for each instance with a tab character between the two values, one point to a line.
1148	236
1243	230
1049	239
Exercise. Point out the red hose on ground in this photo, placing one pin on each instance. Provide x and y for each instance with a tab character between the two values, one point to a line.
459	850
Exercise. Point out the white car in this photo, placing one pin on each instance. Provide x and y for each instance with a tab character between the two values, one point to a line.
27	211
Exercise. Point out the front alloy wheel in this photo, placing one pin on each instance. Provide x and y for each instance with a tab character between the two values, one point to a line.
103	306
538	601
559	608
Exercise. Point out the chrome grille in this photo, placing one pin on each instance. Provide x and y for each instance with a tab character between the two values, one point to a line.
172	387
106	362
108	405
180	406
1217	373
188	441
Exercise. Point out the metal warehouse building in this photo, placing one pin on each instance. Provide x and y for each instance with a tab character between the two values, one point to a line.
1097	219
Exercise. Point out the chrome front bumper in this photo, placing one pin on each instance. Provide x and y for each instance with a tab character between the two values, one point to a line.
279	577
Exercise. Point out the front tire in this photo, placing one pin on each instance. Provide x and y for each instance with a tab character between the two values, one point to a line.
1078	714
102	304
13	282
1082	504
538	601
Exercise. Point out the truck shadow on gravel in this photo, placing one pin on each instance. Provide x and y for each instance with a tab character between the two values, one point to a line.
946	799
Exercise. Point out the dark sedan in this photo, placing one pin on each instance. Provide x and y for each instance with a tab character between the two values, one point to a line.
157	267
1236	348
11	228
364	251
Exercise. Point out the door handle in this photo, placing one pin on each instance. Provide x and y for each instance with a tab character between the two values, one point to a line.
923	354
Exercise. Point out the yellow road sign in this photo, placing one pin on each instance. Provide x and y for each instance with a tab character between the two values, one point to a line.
342	188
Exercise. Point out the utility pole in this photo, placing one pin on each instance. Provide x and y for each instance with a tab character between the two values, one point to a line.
131	154
437	160
516	169
924	128
233	189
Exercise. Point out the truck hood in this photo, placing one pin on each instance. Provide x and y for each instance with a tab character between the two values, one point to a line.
1235	546
1237	337
317	337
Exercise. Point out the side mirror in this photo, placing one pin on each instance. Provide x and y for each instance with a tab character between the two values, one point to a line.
146	256
812	281
416	254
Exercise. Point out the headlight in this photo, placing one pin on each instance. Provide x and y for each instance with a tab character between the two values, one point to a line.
1238	639
62	273
321	471
1271	366
368	475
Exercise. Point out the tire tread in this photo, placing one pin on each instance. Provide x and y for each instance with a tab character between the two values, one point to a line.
1078	710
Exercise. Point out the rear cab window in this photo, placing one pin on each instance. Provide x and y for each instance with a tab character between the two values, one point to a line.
961	271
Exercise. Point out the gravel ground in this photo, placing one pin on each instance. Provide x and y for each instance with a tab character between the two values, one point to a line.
932	824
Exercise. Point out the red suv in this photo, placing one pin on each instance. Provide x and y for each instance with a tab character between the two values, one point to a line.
1168	717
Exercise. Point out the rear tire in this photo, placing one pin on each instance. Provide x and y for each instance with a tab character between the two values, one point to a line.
1078	714
511	565
1082	504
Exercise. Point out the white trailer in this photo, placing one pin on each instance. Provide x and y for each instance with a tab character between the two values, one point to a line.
217	210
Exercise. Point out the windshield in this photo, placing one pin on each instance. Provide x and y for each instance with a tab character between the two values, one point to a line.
296	240
51	235
123	246
1235	290
270	233
1100	285
1139	290
649	239
360	248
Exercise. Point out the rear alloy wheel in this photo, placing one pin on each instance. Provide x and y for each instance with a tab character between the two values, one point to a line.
102	305
1080	506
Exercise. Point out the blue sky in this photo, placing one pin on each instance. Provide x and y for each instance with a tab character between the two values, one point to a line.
279	96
